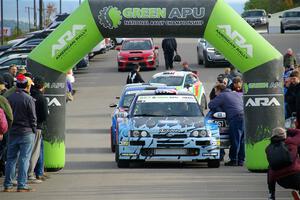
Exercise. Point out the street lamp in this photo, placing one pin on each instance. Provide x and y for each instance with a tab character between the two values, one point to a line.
2	35
60	6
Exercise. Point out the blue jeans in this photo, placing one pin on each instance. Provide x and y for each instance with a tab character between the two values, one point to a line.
39	167
18	145
237	148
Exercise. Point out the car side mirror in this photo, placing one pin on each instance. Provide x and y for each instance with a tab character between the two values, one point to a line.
280	16
118	48
156	47
122	115
219	115
112	105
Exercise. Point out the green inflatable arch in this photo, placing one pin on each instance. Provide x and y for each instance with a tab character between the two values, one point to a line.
212	19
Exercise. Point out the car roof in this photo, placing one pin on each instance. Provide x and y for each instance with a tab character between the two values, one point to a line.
172	73
153	92
254	10
12	56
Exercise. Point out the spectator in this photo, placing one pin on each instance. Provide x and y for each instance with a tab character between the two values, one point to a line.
287	177
41	106
232	104
227	73
237	84
12	90
292	96
4	104
185	66
289	59
21	135
234	72
169	46
220	79
134	76
9	77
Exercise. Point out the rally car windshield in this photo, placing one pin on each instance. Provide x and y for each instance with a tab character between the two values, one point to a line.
168	80
167	106
127	100
257	13
137	45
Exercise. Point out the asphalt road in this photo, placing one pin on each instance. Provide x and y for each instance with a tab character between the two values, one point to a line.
90	171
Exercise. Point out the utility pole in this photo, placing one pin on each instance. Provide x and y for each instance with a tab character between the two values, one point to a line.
17	17
60	6
28	9
79	2
34	14
2	35
40	14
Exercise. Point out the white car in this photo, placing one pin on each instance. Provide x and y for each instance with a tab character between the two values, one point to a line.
98	49
17	59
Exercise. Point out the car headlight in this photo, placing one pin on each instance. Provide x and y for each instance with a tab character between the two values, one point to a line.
121	58
137	133
195	133
203	133
210	50
150	58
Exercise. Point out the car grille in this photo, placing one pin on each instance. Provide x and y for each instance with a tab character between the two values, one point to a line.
132	64
135	58
170	143
166	136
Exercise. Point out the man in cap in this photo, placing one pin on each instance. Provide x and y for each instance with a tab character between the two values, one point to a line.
21	135
41	105
134	76
221	79
288	177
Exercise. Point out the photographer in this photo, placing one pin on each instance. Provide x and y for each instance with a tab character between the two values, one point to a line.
287	175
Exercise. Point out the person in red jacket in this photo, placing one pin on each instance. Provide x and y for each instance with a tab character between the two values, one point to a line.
287	177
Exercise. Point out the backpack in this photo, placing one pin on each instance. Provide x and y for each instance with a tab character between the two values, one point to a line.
278	155
3	122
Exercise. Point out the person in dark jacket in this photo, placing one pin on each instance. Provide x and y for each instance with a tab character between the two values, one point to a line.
237	84
169	46
134	76
221	79
21	135
287	177
292	96
41	106
289	59
232	104
9	76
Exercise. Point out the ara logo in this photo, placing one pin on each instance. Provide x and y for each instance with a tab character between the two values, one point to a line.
67	37
238	39
53	102
262	101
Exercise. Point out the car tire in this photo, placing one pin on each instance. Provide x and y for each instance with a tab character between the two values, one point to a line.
112	145
213	164
123	163
200	62
281	29
206	62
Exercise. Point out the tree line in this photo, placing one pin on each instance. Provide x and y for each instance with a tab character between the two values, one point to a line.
272	6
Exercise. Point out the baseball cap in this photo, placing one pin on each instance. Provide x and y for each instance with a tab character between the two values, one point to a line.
221	77
21	78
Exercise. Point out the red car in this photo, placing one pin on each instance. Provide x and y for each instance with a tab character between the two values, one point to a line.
137	50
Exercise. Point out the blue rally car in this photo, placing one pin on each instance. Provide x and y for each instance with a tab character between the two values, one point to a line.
126	98
166	125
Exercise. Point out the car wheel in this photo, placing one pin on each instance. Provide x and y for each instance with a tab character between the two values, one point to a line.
213	164
112	145
200	62
281	29
206	63
123	163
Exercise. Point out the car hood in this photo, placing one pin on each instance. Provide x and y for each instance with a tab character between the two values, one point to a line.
136	53
167	124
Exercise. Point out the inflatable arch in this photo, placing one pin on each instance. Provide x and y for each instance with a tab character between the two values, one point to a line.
214	20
